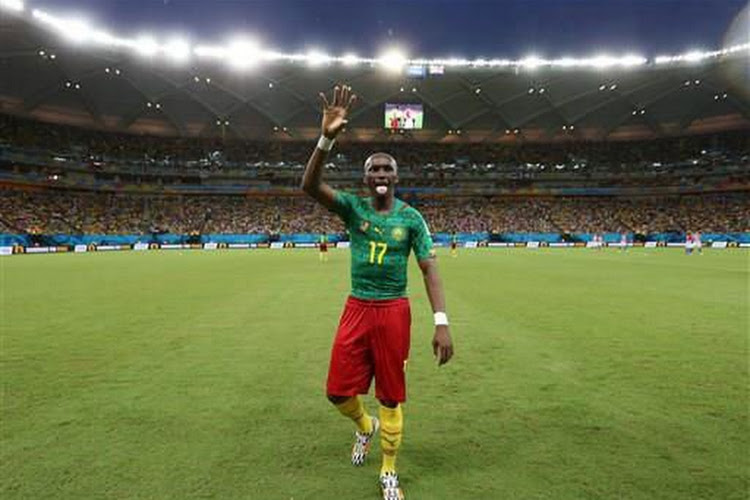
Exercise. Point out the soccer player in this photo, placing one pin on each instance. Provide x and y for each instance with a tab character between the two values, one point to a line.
323	246
373	336
689	243
697	243
454	245
623	241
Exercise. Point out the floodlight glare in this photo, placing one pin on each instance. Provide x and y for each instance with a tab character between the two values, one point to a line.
209	51
393	61
75	30
632	60
317	58
350	60
177	49
14	5
693	56
532	62
146	46
243	54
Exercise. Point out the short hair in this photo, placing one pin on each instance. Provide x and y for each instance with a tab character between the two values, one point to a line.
391	160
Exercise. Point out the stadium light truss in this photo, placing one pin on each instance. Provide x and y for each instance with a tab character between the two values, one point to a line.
244	54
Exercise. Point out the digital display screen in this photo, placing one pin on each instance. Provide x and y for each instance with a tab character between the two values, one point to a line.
404	116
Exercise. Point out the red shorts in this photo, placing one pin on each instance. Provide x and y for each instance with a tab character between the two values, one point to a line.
323	247
373	339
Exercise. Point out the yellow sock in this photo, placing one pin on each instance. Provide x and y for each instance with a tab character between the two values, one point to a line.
354	409
391	430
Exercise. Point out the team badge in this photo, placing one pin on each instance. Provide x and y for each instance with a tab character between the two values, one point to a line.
398	233
364	226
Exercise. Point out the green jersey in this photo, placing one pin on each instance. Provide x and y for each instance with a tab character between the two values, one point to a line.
381	244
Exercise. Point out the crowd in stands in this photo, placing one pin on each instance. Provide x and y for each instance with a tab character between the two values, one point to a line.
122	151
57	211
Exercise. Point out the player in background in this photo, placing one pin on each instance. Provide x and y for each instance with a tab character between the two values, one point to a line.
454	245
697	243
595	241
689	243
623	241
373	337
323	246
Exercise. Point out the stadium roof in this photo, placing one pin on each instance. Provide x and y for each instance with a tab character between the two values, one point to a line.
105	86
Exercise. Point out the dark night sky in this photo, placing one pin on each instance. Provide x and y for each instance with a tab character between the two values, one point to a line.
430	28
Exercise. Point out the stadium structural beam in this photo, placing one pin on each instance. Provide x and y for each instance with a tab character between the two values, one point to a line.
696	109
242	102
216	115
655	128
12	54
49	91
618	96
504	121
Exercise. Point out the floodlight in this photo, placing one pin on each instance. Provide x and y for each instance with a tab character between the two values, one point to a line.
350	60
146	46
177	49
632	60
694	56
392	61
532	62
14	5
243	54
317	58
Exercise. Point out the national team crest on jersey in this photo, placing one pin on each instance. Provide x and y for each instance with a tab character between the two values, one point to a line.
364	226
398	233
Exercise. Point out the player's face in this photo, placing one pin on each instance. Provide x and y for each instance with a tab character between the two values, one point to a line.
381	177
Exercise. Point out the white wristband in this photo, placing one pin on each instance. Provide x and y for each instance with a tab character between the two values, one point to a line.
441	319
325	144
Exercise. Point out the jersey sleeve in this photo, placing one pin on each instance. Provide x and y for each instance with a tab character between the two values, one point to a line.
343	204
421	240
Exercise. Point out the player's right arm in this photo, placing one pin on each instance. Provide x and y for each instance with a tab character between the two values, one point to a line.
334	119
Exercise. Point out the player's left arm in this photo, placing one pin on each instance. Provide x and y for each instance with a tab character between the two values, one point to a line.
442	344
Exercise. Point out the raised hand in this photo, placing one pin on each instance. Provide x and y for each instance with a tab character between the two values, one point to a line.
335	112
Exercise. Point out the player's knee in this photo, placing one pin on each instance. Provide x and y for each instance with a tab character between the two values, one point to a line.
337	400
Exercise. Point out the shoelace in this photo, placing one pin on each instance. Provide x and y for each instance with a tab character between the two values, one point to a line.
362	438
389	481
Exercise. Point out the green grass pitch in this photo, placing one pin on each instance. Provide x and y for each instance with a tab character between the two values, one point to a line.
578	375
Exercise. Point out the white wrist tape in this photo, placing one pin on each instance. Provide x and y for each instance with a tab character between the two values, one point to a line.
325	144
441	319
